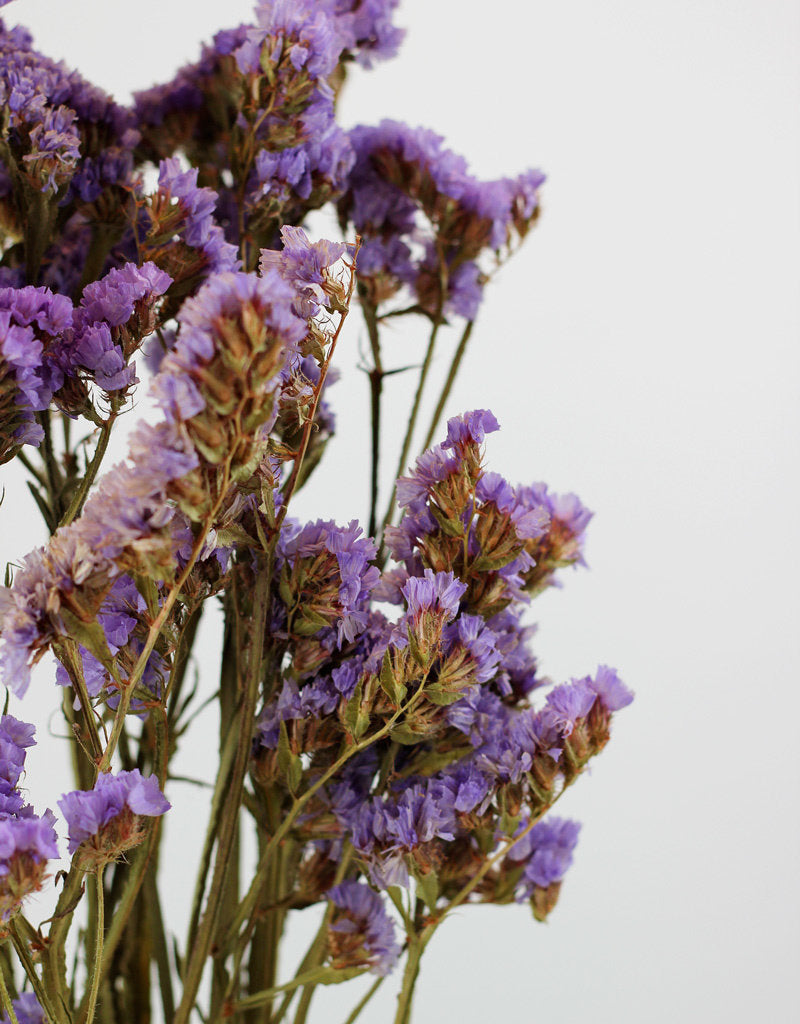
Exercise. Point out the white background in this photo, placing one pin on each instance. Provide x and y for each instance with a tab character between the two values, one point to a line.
641	350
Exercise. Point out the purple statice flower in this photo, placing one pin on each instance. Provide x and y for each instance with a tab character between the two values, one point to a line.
568	517
431	468
415	205
469	428
304	29
566	704
346	604
367	28
469	639
361	933
27	842
298	177
22	391
99	340
609	688
529	521
26	1007
15	737
546	852
114	297
118	616
64	129
471	789
30	318
518	666
107	820
305	264
437	593
418	813
197	227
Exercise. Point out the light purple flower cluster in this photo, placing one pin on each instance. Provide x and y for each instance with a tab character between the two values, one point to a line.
304	264
63	131
115	314
132	518
334	565
546	852
27	841
472	757
30	361
425	220
180	208
105	821
361	933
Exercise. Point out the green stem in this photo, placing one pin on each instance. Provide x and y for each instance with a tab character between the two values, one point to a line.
54	478
217	803
98	947
412	420
318	976
42	994
5	998
448	384
365	999
79	497
416	946
206	930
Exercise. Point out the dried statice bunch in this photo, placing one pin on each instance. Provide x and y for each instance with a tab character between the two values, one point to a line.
386	740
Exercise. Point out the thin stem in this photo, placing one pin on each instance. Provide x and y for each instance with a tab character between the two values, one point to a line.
98	947
365	999
318	975
376	376
448	384
6	1000
42	994
416	946
198	953
291	483
79	497
412	420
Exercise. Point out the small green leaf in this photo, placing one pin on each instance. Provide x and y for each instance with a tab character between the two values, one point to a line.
394	690
289	764
428	887
356	719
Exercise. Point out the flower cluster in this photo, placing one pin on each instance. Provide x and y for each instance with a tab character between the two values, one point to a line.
107	820
426	221
383	718
467	761
361	932
27	841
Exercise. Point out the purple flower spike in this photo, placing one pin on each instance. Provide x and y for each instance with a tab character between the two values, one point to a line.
361	932
106	820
